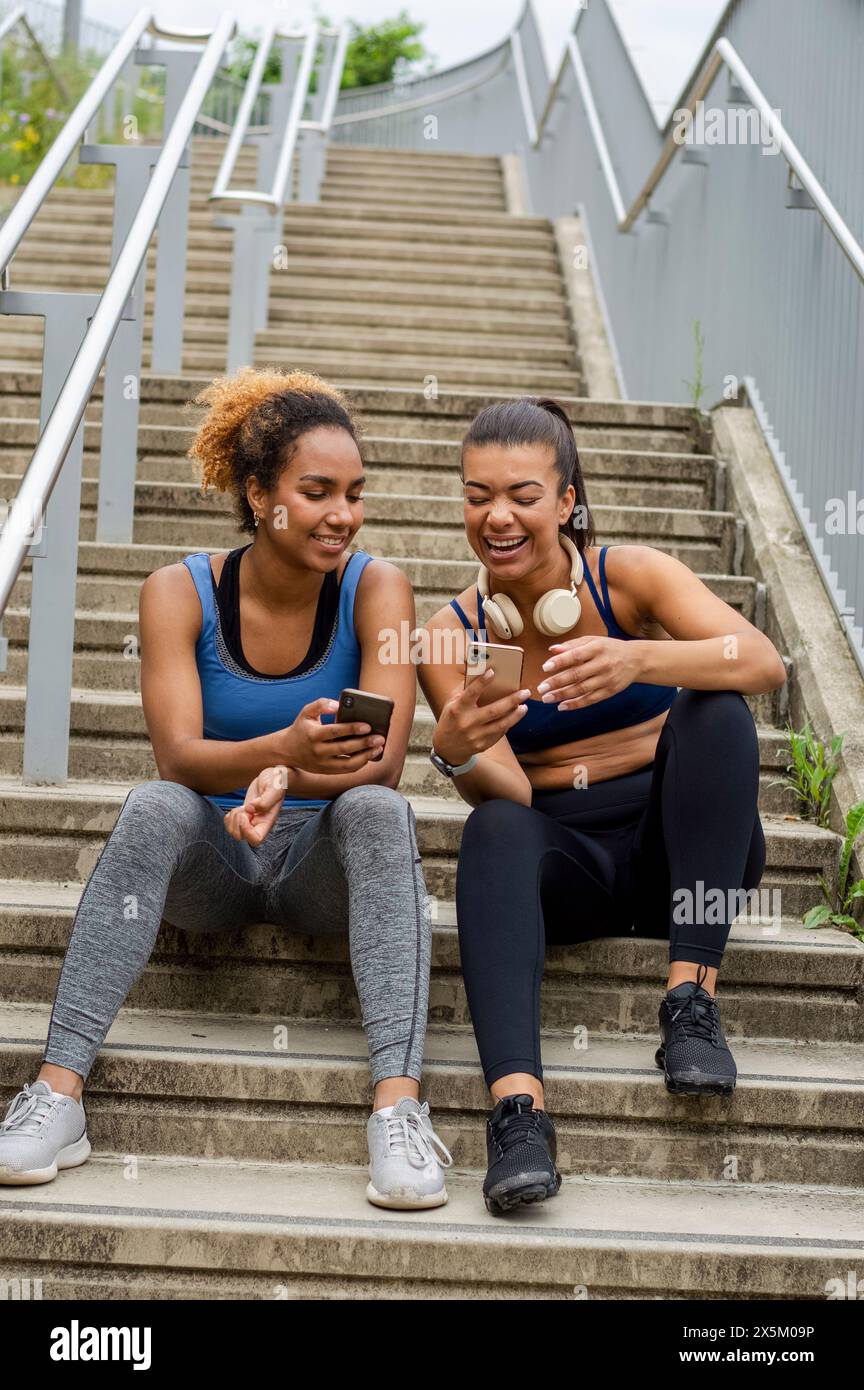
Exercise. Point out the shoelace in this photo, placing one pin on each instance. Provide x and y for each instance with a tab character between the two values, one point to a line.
698	1018
418	1141
516	1130
29	1111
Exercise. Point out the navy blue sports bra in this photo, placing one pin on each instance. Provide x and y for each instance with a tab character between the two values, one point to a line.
544	725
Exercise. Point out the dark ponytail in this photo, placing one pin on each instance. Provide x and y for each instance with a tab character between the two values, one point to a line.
538	420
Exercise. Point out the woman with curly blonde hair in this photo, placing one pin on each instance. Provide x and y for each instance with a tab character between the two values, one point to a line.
263	812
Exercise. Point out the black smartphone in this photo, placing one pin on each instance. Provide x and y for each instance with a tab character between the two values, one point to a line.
362	707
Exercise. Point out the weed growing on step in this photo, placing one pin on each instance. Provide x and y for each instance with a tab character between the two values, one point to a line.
696	387
811	772
841	903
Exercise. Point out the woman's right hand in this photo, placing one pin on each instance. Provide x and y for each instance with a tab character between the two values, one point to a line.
312	746
466	727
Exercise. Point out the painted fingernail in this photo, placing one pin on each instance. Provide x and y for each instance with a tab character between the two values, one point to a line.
544	685
548	666
549	697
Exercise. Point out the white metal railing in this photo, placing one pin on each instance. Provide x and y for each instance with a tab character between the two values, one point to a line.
723	53
421	103
838	556
52	481
475	98
258	224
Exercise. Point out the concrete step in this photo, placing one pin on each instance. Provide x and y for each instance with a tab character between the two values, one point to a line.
548	326
99	751
384	285
167	429
442	373
780	981
388	177
107	606
449	372
118	671
411	197
374	271
164	485
416	413
200	1085
702	540
349	218
53	836
358	156
61	229
116	716
491	347
214	1229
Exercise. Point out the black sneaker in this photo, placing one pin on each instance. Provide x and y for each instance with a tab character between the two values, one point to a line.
521	1148
693	1053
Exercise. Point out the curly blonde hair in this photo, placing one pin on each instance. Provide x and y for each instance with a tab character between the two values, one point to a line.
255	418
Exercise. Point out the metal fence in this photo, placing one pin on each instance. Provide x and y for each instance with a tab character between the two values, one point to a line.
46	21
478	107
719	232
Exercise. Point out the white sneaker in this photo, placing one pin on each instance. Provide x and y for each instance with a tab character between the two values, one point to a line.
42	1132
406	1158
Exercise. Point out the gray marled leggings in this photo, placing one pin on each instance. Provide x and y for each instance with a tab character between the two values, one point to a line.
350	865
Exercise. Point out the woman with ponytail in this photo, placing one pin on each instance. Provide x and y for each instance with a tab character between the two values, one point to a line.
615	794
267	810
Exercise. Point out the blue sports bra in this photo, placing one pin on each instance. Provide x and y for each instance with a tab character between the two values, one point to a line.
544	725
239	705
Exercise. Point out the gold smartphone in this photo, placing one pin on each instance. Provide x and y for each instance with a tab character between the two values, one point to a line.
506	663
362	707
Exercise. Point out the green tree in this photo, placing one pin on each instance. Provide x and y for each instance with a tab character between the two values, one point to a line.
373	52
371	57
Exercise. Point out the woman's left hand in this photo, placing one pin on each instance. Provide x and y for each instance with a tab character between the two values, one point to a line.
587	669
254	820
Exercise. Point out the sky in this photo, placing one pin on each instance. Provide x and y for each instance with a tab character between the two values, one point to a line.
665	37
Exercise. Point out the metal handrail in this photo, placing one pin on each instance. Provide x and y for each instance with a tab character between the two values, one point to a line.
373	89
275	198
522	84
179	35
723	54
223	128
335	82
416	103
47	461
594	123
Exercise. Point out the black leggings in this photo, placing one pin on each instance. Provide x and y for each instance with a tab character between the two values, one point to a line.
604	860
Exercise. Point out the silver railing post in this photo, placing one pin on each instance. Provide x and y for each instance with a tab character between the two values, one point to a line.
257	226
314	132
261	216
166	347
72	17
118	453
52	593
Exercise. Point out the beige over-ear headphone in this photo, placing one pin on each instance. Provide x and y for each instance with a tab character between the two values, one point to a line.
555	612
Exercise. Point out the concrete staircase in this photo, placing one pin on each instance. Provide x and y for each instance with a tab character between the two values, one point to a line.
226	1166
